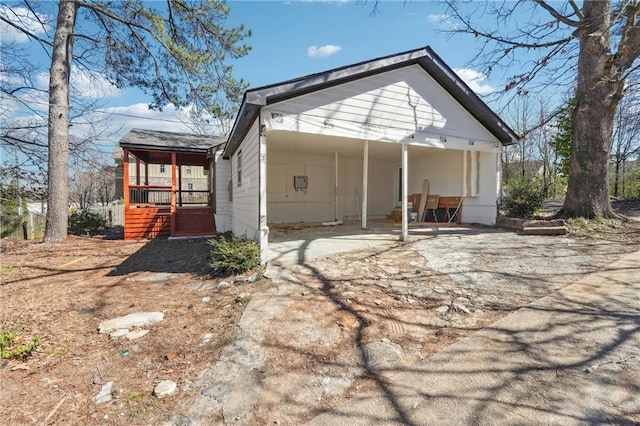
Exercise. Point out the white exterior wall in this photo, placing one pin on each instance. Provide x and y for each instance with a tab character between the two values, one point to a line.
223	205
484	208
245	204
285	204
391	106
445	172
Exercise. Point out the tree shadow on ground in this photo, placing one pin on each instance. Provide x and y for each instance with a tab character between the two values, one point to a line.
163	255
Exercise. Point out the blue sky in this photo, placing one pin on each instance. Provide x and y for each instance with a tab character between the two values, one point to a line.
295	38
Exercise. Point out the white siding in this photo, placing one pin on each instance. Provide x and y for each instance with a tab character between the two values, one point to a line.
483	208
285	204
389	106
444	169
223	206
245	206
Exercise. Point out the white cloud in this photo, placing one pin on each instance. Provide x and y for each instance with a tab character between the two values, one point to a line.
442	17
85	84
477	81
445	21
23	18
322	51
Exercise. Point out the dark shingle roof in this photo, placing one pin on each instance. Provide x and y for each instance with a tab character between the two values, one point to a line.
169	141
254	99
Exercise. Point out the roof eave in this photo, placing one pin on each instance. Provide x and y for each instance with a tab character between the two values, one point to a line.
255	99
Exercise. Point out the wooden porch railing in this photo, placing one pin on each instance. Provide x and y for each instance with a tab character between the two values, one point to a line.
154	196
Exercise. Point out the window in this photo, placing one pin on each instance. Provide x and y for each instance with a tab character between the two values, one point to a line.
188	170
190	188
162	168
239	167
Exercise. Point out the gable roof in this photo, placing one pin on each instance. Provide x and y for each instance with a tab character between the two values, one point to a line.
426	58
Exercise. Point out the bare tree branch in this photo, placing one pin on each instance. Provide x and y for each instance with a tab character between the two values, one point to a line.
560	17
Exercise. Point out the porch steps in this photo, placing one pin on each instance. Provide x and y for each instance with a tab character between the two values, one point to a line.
544	227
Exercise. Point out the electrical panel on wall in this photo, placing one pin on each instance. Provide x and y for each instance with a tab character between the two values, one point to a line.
300	183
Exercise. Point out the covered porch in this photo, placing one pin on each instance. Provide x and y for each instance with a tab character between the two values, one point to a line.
167	185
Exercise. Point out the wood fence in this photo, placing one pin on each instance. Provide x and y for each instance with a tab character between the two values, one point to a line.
30	225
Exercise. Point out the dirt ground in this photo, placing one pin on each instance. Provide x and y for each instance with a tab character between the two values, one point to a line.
61	292
318	348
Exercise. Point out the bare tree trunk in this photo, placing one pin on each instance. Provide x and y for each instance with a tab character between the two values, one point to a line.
58	199
599	91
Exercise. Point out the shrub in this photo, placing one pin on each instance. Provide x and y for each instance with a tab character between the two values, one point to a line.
83	222
523	197
233	255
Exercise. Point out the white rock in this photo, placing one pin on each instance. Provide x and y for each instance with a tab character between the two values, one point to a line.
105	393
206	299
439	290
138	319
223	285
119	333
164	388
136	334
206	339
442	309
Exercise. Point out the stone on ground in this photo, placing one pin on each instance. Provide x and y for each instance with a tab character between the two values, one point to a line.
383	354
105	393
137	319
164	388
136	334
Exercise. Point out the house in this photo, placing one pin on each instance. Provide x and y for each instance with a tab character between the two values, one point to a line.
350	144
353	142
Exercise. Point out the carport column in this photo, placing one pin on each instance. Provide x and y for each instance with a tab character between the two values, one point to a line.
262	183
335	188
405	181
365	179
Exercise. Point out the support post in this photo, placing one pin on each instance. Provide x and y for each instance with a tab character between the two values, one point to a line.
262	185
146	174
335	188
179	185
405	180
125	180
173	194
365	179
137	171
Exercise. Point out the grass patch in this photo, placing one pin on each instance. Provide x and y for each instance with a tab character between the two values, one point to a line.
595	228
134	397
7	269
57	351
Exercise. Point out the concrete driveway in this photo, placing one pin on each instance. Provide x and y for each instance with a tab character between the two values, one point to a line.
569	358
564	355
